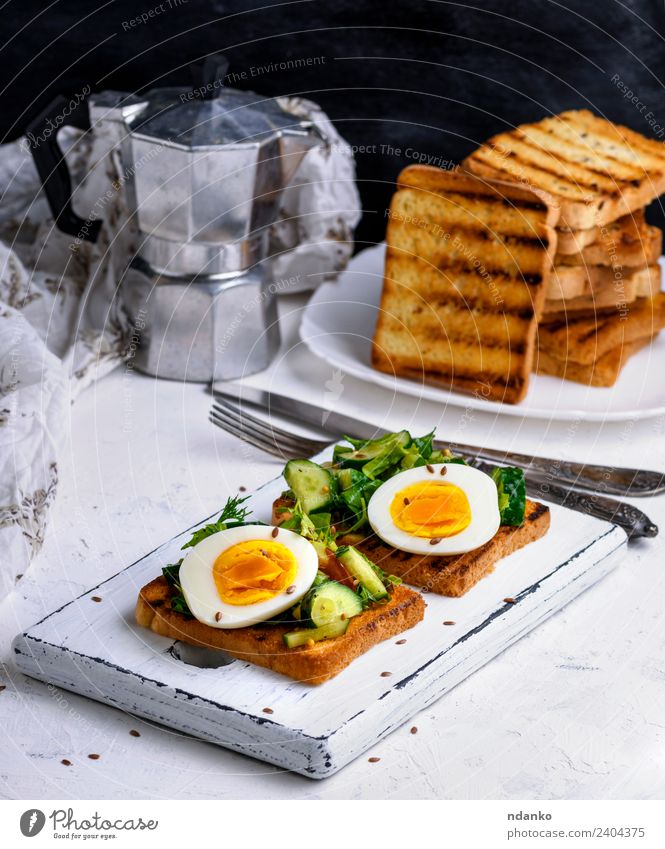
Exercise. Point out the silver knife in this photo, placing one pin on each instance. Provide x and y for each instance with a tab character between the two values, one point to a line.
598	479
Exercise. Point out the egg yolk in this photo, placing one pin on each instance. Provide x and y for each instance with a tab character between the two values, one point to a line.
431	509
253	571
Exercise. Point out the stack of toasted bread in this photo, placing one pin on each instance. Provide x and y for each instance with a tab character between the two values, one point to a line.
603	298
536	257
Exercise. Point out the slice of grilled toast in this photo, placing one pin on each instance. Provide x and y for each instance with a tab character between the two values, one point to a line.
455	575
597	170
466	273
451	575
585	340
608	251
603	372
572	285
623	232
264	644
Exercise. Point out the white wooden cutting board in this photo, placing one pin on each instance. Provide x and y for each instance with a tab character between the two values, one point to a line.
96	649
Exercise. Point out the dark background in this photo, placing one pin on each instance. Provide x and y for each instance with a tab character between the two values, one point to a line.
436	77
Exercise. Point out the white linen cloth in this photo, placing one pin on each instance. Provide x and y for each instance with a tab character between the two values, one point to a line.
61	326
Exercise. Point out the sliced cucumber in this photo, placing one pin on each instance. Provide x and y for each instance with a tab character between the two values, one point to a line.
330	602
376	455
363	571
326	632
345	478
312	485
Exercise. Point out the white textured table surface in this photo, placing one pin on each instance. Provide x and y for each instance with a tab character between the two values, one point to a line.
574	710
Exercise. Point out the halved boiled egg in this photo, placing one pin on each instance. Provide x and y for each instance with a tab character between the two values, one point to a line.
245	575
451	509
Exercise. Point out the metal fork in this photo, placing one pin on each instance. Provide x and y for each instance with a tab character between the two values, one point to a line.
231	417
262	434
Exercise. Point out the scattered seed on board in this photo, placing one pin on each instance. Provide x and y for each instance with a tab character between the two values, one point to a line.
274	533
414	729
135	733
218	616
96	598
94	757
444	470
400	642
65	762
509	600
374	760
449	622
291	589
435	541
268	710
430	469
386	674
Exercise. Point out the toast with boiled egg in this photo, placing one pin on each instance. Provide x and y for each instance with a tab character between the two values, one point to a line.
277	597
414	512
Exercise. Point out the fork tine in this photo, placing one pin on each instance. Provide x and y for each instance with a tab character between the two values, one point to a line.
282	447
292	442
232	427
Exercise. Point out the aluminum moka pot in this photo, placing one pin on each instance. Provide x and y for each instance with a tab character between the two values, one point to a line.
203	177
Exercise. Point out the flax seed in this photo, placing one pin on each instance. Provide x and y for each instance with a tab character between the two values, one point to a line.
509	600
386	674
3	687
218	616
65	762
407	501
374	760
94	757
400	642
430	469
414	730
449	622
242	489
444	470
291	589
96	598
435	541
274	533
343	617
135	733
268	710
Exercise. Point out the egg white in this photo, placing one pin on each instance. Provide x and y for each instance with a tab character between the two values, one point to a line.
200	591
479	488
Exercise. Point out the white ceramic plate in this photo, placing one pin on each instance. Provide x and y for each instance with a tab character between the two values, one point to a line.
338	326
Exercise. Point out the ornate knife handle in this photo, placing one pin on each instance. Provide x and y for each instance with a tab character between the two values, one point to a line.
634	522
610	480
